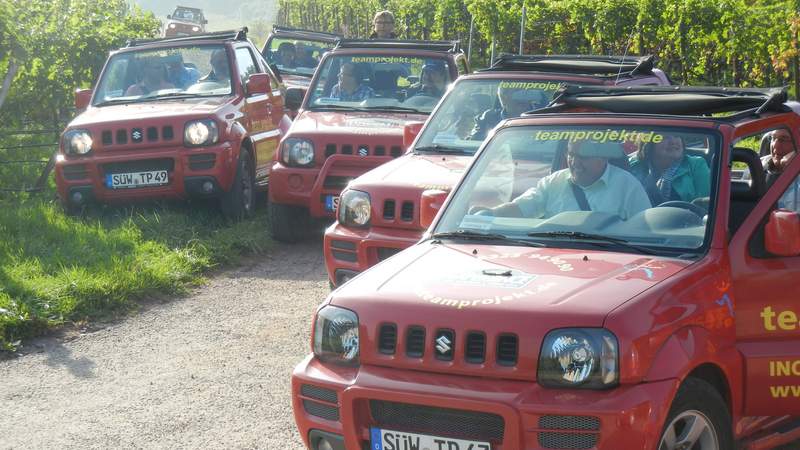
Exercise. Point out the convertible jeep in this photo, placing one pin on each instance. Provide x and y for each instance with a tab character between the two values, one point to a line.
621	301
197	116
185	21
352	120
388	196
294	55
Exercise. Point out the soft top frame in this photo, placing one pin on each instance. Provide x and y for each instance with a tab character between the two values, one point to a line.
310	34
597	65
229	35
402	44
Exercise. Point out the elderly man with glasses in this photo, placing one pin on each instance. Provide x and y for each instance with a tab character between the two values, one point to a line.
350	88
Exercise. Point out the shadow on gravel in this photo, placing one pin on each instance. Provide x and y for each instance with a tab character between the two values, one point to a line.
60	356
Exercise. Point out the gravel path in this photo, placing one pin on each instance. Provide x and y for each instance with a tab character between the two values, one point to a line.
211	370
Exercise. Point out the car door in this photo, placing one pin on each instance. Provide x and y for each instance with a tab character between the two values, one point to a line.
764	293
262	116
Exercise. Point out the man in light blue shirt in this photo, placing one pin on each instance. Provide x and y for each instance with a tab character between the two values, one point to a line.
589	183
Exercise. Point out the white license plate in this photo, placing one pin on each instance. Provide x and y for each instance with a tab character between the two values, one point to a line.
398	440
331	203
137	179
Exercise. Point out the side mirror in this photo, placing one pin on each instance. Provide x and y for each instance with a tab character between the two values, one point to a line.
82	98
410	132
431	202
205	21
257	83
169	16
294	98
782	233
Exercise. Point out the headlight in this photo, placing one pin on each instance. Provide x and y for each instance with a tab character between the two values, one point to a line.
336	335
354	208
199	133
585	358
298	152
77	142
172	25
195	28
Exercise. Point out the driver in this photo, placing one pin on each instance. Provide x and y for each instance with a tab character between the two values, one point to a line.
179	74
154	78
287	55
668	173
220	71
350	88
589	183
512	103
433	81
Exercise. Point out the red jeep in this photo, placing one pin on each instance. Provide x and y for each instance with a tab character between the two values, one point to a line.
389	195
174	118
352	120
642	301
294	55
185	21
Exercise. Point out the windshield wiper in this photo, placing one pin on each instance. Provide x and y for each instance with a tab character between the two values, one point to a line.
174	95
438	148
480	236
579	235
334	107
118	101
393	108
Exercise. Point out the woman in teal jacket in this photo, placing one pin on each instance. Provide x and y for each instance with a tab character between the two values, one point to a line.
668	173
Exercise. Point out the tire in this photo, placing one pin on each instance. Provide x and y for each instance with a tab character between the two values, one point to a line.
287	223
239	202
698	419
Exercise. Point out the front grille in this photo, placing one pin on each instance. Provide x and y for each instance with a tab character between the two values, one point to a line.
362	150
318	393
380	150
415	342
344	256
445	344
569	441
438	421
152	134
507	350
144	165
122	137
407	213
388	209
167	133
395	151
136	135
202	161
584	423
330	150
322	410
107	137
347	149
76	172
387	339
386	252
475	352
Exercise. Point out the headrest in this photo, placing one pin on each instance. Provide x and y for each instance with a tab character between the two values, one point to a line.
754	188
766	141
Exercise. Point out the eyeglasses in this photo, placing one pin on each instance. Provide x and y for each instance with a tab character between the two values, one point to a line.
383	23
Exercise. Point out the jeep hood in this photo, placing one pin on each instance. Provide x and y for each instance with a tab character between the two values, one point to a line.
152	110
373	123
415	171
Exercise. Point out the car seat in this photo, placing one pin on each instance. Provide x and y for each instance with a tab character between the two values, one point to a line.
384	83
764	149
745	193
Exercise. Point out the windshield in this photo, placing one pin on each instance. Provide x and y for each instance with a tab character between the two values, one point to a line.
192	71
296	56
382	82
473	107
633	187
187	15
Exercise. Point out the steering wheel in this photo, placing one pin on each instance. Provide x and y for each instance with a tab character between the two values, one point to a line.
478	210
700	211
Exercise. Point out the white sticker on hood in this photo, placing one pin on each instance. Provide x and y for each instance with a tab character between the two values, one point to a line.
515	279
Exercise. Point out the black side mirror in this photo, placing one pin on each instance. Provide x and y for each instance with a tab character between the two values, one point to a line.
169	16
294	98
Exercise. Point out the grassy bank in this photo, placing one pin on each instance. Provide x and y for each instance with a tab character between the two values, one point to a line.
56	269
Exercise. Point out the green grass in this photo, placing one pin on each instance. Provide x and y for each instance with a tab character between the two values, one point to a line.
56	269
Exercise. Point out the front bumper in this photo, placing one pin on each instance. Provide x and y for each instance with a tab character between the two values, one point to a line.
202	172
342	401
349	251
309	187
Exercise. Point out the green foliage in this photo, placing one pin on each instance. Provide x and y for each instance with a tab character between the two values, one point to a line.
703	42
56	269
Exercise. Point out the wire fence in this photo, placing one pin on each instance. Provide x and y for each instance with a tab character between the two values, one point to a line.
27	157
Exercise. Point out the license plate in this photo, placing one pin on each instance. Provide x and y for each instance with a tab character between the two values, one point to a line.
331	203
398	440
136	179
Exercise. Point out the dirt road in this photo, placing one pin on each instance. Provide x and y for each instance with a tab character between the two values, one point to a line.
211	370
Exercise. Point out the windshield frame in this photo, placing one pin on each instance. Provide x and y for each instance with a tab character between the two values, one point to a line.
289	37
445	58
96	102
609	120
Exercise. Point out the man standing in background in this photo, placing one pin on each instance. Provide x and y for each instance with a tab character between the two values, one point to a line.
383	26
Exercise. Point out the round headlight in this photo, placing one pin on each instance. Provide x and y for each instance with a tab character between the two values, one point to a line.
298	152
195	29
586	358
77	142
172	25
336	335
354	208
200	132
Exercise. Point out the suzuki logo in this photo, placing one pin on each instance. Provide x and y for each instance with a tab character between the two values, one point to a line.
363	151
137	135
443	345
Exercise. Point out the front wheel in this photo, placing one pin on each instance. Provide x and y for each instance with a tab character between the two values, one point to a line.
287	223
698	419
239	202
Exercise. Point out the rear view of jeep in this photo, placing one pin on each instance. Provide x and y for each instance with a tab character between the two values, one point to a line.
352	120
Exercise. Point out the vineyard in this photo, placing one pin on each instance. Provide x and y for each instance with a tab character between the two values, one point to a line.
704	42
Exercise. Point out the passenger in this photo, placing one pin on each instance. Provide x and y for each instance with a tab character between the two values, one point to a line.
154	78
286	55
433	81
512	103
303	55
589	183
383	26
350	87
220	71
782	150
179	74
668	173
